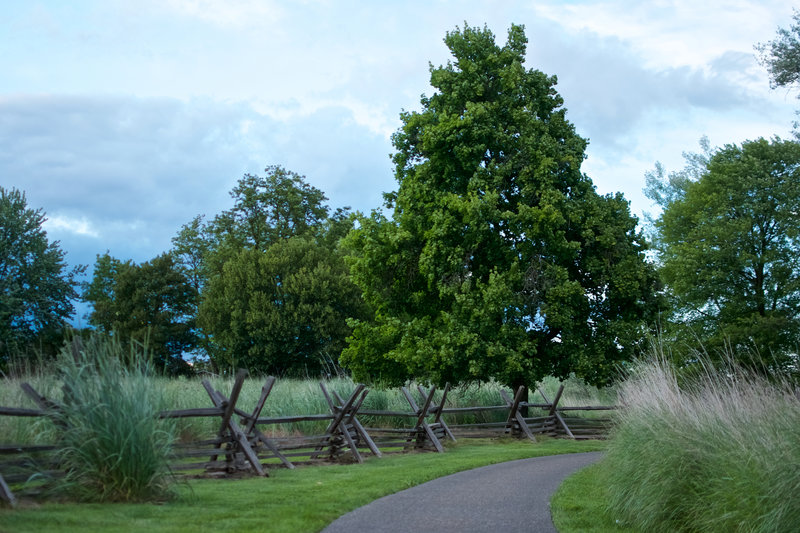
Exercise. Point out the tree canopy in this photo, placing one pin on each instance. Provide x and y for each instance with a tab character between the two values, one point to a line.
278	293
282	311
500	259
36	286
267	209
781	56
729	249
153	303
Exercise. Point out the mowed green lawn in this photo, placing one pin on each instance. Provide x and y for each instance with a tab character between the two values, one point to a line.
304	499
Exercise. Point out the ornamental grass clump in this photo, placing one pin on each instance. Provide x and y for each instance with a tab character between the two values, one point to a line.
113	446
717	451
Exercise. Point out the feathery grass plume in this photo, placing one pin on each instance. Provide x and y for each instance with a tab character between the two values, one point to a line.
113	447
717	450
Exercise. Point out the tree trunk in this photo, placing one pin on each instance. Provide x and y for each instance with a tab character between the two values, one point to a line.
515	387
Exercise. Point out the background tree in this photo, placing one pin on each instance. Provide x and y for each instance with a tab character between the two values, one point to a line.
36	286
153	303
266	209
278	293
100	291
730	253
282	311
190	248
501	261
781	57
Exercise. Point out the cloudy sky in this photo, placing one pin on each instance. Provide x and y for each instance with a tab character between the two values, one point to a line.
123	120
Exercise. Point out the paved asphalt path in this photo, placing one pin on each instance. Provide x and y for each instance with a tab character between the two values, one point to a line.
505	497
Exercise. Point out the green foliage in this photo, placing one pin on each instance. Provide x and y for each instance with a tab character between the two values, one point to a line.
580	505
113	445
267	210
718	453
729	249
153	302
276	291
781	57
280	311
190	248
501	261
36	286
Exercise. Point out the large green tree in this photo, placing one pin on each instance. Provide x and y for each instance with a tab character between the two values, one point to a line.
500	260
152	303
36	285
730	254
278	293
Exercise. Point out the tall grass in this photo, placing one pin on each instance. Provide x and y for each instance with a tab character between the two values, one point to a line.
113	446
718	452
288	397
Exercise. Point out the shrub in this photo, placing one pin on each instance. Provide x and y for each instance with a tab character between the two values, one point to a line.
719	452
113	447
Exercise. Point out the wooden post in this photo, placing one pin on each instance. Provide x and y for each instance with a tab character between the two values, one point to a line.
339	416
437	409
422	428
328	397
556	400
259	436
230	405
51	409
265	390
514	415
554	410
357	424
342	429
345	430
6	494
228	424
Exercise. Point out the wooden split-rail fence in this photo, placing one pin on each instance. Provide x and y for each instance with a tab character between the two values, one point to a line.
242	442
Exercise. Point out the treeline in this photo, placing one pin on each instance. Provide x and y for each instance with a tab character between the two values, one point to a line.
262	286
494	258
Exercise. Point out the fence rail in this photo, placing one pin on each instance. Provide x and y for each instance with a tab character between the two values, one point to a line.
241	443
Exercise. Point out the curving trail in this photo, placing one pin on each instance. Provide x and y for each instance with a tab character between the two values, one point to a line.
508	497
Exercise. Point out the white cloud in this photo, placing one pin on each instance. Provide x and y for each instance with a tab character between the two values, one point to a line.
127	172
674	33
79	226
134	117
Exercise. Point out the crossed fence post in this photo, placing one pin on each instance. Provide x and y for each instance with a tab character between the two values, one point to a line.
515	421
347	410
229	426
554	410
359	428
437	411
421	428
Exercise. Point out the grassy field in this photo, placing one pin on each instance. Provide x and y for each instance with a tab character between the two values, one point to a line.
301	500
114	448
288	397
581	504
